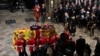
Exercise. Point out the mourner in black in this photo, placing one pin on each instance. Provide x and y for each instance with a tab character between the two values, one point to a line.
87	49
55	16
71	9
97	48
80	46
66	8
77	13
61	13
66	13
72	26
82	21
98	16
70	48
61	45
92	24
43	13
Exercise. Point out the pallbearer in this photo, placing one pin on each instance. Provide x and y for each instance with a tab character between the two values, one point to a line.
21	45
36	31
31	45
42	43
22	36
45	30
52	41
52	31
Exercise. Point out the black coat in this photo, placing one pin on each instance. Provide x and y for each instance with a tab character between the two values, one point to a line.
78	8
71	45
72	26
43	11
61	14
43	50
70	48
91	22
80	45
55	13
88	49
61	44
71	9
97	49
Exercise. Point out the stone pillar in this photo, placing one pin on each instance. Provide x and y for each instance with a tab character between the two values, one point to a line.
46	4
49	6
56	3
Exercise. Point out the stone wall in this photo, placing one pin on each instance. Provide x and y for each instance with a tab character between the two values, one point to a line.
50	7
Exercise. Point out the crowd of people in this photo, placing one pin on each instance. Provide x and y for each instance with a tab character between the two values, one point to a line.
86	14
44	41
83	13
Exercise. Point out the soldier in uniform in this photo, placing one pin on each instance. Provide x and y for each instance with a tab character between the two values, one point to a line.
31	44
41	48
24	44
20	44
36	29
52	41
